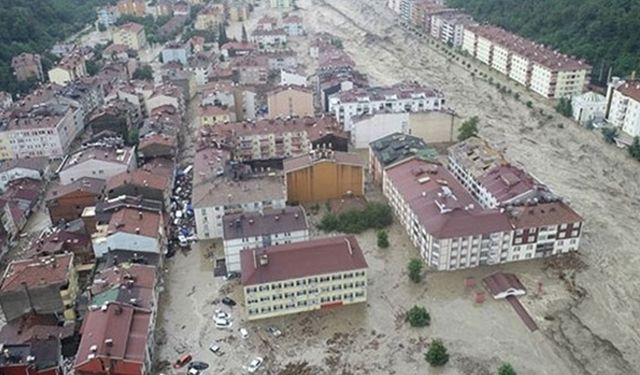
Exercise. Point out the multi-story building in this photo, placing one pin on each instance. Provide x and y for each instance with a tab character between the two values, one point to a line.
97	162
287	101
453	231
130	229
290	77
26	66
281	4
131	35
588	108
35	355
211	115
623	98
132	7
33	168
303	276
255	230
251	69
210	18
66	202
176	52
391	149
448	27
544	71
108	15
322	175
403	97
269	39
140	183
47	285
238	11
221	187
367	128
292	25
70	68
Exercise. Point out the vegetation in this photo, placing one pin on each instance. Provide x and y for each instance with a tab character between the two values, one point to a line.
144	72
469	128
506	369
602	32
245	38
222	35
375	215
418	316
415	270
610	134
437	354
35	26
383	239
634	149
564	107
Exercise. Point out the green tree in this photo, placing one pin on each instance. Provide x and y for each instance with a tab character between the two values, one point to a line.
245	38
415	270
634	149
529	104
610	134
418	316
144	72
222	35
92	67
506	369
437	354
469	128
564	107
383	239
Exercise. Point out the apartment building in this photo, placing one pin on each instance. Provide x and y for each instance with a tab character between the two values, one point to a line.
97	162
322	175
305	276
367	128
33	168
108	15
26	66
211	115
70	68
286	101
130	229
221	187
132	7
269	39
623	98
210	18
391	149
256	230
292	25
402	97
541	69
67	202
177	52
131	35
281	4
448	27
452	230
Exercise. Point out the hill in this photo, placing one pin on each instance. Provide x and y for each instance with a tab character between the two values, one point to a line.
605	33
35	26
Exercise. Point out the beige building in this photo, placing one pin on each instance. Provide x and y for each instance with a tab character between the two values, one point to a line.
290	101
69	69
131	35
212	114
132	7
210	18
305	276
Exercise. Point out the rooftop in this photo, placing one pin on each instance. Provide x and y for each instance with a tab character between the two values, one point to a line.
34	326
269	221
45	353
60	241
37	272
139	177
317	156
85	184
128	283
476	156
133	221
38	164
397	146
506	182
630	89
115	331
102	153
132	27
301	259
398	91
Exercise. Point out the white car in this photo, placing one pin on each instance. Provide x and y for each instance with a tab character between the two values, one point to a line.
244	333
255	365
222	323
215	349
219	314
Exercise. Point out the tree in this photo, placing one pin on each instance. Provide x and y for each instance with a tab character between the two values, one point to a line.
92	67
529	104
469	128
437	354
244	34
609	134
564	107
144	72
506	369
415	270
634	149
222	35
383	239
418	316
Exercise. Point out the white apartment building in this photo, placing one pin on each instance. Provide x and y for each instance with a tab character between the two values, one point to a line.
368	128
588	108
256	230
281	4
501	59
453	231
219	190
448	27
624	106
403	97
96	162
520	69
305	276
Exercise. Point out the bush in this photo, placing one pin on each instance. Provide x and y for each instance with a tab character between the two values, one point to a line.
529	104
383	239
415	270
634	149
376	215
469	128
564	107
437	354
609	134
506	369
418	317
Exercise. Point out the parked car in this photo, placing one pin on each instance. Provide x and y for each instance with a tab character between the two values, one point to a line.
244	333
231	275
274	331
198	365
215	349
180	362
255	364
228	301
222	323
219	314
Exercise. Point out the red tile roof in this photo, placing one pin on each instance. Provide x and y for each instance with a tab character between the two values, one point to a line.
119	332
132	221
139	177
132	26
37	272
302	259
630	89
34	326
85	184
544	214
506	182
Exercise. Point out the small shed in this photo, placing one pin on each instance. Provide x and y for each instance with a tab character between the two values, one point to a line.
502	285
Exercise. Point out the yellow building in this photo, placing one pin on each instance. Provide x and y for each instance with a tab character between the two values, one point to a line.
68	70
322	175
238	12
212	114
5	147
131	35
290	101
303	276
210	18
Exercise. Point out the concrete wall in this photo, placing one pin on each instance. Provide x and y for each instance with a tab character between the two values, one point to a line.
324	180
434	127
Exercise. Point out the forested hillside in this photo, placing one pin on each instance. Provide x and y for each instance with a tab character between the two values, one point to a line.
36	25
606	33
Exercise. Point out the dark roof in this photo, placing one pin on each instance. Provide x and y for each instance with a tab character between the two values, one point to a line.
34	326
302	259
500	282
119	257
130	220
90	185
397	146
45	353
39	164
269	221
128	283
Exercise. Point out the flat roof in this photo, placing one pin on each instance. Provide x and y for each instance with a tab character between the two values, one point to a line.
102	153
302	259
269	221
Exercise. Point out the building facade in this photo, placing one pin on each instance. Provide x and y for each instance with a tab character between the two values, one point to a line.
623	100
588	108
290	101
131	35
368	128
